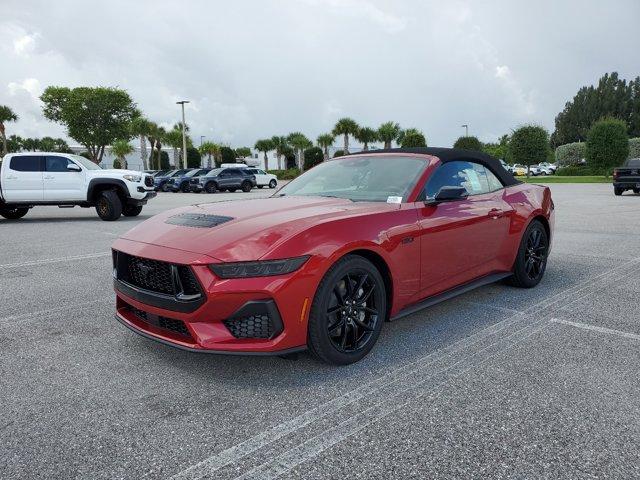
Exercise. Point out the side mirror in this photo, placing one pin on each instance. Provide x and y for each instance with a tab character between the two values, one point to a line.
448	194
73	167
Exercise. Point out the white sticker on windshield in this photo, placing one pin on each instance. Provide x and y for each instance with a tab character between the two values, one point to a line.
394	199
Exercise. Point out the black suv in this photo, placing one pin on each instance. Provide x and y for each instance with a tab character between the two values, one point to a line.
222	179
182	183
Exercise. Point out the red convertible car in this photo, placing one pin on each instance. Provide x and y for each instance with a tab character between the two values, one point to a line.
334	254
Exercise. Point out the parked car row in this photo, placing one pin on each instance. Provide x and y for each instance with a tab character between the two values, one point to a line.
544	168
211	180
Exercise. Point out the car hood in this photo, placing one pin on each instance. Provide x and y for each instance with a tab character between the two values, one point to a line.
252	228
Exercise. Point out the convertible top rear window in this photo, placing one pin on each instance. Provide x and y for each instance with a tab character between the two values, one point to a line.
360	178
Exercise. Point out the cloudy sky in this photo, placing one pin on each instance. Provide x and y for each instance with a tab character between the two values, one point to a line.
256	68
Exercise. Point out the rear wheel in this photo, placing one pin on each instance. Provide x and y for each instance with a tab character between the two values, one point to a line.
131	210
164	187
246	187
13	213
272	184
636	191
617	191
210	187
347	312
531	261
109	206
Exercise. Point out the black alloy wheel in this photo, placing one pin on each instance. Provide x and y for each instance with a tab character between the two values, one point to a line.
348	310
531	261
210	187
13	213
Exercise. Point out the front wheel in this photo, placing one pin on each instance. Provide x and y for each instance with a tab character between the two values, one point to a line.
131	210
164	187
13	213
531	261
272	184
347	312
109	206
617	191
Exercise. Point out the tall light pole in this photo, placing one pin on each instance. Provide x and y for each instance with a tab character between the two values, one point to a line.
184	134
201	138
466	129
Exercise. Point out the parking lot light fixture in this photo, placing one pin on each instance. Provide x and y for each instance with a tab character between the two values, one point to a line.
184	134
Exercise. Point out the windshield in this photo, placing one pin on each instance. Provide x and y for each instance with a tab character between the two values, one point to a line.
177	173
214	172
85	162
366	178
632	162
192	173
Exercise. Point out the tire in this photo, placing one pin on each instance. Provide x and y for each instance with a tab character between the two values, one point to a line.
13	213
636	191
185	188
531	261
164	187
210	187
341	337
109	206
617	191
543	173
246	187
131	210
272	184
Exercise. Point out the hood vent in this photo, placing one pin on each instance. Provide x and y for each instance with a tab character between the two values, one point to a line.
198	220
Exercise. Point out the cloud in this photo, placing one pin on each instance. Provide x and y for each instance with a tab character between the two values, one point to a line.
29	85
24	45
364	9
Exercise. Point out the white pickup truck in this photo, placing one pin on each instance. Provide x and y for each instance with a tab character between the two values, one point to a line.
64	180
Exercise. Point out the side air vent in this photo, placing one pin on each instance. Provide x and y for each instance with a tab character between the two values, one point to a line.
198	220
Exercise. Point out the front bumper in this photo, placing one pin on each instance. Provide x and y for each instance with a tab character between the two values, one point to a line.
222	321
142	201
628	184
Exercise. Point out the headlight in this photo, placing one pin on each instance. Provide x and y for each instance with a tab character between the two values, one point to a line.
132	178
264	268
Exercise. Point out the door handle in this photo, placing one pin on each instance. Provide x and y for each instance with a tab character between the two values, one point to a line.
12	178
496	213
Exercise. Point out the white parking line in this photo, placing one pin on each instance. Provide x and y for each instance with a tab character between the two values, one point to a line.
46	261
595	328
209	466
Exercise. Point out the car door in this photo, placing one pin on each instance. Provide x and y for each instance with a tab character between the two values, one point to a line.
261	176
22	180
62	184
461	239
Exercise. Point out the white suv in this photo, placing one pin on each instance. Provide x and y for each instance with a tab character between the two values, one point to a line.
40	178
263	179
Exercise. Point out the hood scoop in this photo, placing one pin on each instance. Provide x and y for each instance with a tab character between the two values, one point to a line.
197	220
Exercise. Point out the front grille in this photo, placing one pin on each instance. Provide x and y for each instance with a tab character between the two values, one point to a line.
148	181
171	324
156	276
254	326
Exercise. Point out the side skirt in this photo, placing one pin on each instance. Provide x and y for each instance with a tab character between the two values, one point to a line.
454	292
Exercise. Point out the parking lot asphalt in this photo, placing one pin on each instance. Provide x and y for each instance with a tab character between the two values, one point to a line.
499	382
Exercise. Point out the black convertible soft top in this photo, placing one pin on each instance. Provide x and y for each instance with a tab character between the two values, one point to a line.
451	154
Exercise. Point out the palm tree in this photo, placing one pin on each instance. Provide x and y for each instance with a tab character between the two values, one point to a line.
412	137
141	127
156	137
6	115
346	126
174	140
365	136
406	133
388	132
299	142
120	149
325	141
210	149
265	145
280	145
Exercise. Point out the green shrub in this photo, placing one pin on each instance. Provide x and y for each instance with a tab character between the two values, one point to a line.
574	171
194	159
117	163
414	139
228	155
634	148
468	143
338	153
570	154
289	174
529	145
312	157
607	145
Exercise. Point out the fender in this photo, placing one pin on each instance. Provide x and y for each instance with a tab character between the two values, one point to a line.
119	184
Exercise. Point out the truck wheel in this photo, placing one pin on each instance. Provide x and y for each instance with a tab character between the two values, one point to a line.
109	206
617	191
246	187
131	210
210	187
272	184
13	213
